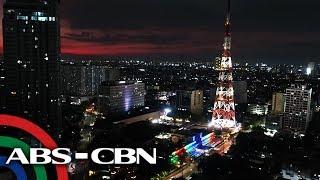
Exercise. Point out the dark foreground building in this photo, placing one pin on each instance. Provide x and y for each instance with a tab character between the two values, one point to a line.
31	41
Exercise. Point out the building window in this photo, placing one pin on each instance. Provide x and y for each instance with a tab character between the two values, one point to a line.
42	18
22	18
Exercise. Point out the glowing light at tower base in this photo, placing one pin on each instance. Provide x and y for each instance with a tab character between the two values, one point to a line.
222	124
225	124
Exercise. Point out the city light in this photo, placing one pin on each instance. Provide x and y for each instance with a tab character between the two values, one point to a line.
167	111
223	115
145	92
309	71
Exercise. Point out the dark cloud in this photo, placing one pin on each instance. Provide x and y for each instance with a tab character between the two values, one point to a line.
275	30
140	13
123	37
248	15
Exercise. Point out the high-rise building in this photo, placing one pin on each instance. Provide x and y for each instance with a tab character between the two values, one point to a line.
297	109
240	92
31	43
82	80
258	109
223	116
112	75
190	100
311	69
70	79
277	102
317	69
120	96
2	89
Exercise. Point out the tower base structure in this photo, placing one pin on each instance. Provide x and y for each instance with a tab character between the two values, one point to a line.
225	125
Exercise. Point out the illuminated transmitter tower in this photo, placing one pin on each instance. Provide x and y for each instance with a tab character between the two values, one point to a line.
224	109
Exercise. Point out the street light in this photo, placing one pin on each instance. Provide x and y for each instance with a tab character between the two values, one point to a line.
166	111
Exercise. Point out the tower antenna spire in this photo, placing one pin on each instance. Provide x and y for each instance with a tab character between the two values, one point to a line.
223	116
228	10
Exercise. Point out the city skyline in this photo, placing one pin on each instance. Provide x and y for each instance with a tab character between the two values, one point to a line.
271	32
165	77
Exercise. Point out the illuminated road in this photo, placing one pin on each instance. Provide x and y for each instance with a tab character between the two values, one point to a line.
223	148
190	168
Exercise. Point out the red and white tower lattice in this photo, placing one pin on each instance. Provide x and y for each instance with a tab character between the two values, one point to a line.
224	108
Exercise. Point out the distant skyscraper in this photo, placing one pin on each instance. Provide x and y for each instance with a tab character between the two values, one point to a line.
82	80
31	38
224	108
71	79
112	75
2	90
240	92
190	100
277	102
120	96
317	69
297	108
311	69
257	109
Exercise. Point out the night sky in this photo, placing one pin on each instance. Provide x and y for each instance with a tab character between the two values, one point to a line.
272	31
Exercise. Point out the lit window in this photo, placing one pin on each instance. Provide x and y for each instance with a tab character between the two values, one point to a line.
38	13
22	18
42	18
52	19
